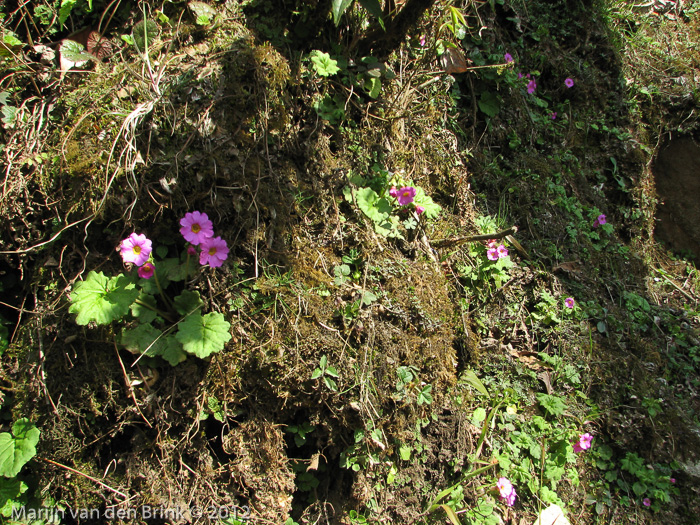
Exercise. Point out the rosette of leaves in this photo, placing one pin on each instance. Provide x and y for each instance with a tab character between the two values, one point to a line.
171	333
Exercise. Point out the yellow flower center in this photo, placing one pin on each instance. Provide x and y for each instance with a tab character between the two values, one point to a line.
212	250
406	193
137	249
196	228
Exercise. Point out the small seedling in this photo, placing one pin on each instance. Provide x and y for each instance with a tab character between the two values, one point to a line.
328	373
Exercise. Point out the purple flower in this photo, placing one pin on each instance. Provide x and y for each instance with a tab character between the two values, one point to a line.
502	251
421	41
394	192
135	249
492	254
214	252
569	82
569	302
520	75
602	219
583	443
191	250
506	490
646	502
146	271
405	195
508	58
672	480
554	115
419	209
531	86
196	227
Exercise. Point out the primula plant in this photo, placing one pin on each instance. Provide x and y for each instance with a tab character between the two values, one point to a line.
154	323
393	204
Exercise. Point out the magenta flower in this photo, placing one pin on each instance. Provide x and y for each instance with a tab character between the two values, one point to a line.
135	249
506	490
492	254
421	41
405	195
531	86
214	252
196	227
146	271
520	75
554	115
672	480
602	219
502	251
191	250
569	82
508	58
569	302
583	443
419	209
394	192
646	502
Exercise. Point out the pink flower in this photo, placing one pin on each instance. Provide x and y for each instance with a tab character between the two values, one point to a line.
646	502
506	490
502	251
135	249
554	115
421	41
508	58
492	254
146	271
214	252
406	195
196	227
520	75
191	250
394	192
569	82
531	86
419	209
672	480
602	219
569	302
583	443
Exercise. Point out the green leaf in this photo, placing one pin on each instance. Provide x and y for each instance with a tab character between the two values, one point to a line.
187	302
17	449
144	33
478	416
65	10
424	396
204	13
102	299
489	104
373	87
74	52
552	404
470	378
202	335
151	341
338	8
145	311
324	65
374	8
11	495
432	210
316	373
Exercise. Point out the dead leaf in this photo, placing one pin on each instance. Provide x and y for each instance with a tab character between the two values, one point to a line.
569	266
453	61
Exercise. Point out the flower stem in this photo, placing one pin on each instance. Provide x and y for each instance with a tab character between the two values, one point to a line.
162	293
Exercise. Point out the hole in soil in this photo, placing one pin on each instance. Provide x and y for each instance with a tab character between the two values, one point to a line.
677	176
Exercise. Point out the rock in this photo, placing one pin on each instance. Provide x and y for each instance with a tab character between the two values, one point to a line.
552	515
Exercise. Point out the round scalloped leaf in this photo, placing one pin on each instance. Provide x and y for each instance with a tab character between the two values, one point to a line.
18	448
102	299
145	309
187	302
202	335
149	340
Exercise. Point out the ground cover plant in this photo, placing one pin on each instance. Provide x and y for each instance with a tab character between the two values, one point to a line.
348	262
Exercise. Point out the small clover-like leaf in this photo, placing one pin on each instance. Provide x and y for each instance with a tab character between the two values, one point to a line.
102	299
202	335
17	449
